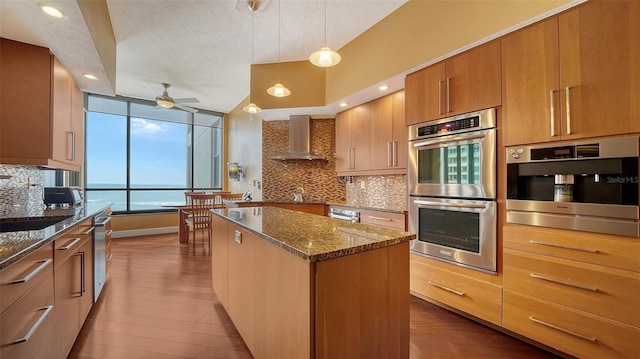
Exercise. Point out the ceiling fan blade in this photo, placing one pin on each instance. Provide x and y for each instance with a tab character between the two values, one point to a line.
186	100
186	108
152	91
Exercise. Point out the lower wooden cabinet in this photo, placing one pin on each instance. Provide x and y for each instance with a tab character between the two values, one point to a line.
28	328
479	298
384	219
572	331
219	258
241	293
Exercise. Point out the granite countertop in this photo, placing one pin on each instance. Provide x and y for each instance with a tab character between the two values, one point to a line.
311	237
19	244
328	203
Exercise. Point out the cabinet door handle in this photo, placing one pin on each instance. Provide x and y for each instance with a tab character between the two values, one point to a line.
594	251
353	159
568	103
552	112
380	218
238	237
72	145
440	97
388	154
88	231
70	245
109	233
36	325
446	288
28	277
549	325
110	257
448	94
395	154
82	276
563	282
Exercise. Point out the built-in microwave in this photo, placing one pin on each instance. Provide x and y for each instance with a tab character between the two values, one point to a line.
588	185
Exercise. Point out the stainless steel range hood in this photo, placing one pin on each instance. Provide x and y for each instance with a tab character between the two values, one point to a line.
299	140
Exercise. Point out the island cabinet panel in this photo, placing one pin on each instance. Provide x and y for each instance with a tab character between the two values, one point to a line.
41	112
352	319
219	258
241	295
581	74
283	320
572	331
464	83
480	298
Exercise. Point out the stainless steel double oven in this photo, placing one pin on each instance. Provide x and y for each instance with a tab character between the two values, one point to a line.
452	189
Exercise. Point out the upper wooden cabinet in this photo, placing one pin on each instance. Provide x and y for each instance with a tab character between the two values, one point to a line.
464	83
388	134
372	137
573	76
352	140
41	112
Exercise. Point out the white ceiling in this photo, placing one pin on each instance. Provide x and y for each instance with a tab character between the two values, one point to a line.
202	48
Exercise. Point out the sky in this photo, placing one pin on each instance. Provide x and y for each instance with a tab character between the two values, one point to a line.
158	151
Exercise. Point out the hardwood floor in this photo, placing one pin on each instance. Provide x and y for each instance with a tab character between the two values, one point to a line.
158	303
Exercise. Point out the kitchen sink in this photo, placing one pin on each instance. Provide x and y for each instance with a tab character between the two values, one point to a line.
12	225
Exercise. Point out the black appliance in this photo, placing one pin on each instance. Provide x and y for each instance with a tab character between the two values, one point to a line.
60	196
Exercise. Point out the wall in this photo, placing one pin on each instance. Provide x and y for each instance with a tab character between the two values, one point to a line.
16	199
244	145
317	178
388	192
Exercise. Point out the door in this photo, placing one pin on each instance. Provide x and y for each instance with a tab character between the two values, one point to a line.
85	300
381	120
400	133
67	290
424	94
360	138
343	141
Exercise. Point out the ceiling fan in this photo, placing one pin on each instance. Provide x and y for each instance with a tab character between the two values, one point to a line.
166	101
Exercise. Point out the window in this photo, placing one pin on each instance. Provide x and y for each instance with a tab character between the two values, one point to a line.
140	158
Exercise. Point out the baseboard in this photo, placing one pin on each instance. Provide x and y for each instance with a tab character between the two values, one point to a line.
144	232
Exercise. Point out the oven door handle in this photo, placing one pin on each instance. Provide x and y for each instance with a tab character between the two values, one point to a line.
441	204
449	140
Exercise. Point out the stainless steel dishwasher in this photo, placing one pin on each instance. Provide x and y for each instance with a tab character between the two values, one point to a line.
99	260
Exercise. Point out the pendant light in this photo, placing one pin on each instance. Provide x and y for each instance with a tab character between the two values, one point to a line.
325	57
252	108
278	90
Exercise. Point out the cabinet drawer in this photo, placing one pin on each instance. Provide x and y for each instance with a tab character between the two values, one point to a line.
572	331
24	274
607	250
384	219
108	255
610	292
68	243
33	314
478	298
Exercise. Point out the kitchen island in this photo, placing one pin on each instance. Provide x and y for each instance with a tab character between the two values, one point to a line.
298	285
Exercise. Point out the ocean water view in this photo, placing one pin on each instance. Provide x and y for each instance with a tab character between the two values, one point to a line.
142	198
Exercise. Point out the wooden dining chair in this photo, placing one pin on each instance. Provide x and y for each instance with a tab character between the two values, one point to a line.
187	196
200	213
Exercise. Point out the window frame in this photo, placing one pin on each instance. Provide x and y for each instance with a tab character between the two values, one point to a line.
128	188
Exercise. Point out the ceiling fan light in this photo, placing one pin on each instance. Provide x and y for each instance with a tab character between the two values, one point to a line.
325	57
278	90
164	103
251	108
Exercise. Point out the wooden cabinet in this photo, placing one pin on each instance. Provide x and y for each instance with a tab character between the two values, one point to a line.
21	276
28	325
388	135
108	232
580	71
241	294
219	258
372	138
572	290
353	140
481	298
41	112
73	273
464	83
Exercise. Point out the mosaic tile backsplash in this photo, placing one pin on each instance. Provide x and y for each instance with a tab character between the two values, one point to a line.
17	199
317	178
388	192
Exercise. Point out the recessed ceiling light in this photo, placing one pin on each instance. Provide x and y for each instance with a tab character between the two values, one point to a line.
343	104
90	76
52	11
383	87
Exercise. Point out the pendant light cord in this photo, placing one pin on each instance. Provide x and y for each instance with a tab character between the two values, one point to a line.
279	4
325	23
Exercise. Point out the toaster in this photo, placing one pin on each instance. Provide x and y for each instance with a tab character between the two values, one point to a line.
62	195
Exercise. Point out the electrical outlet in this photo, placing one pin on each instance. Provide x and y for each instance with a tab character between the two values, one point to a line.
362	184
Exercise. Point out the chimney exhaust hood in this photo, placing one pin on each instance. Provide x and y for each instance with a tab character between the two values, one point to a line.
299	140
